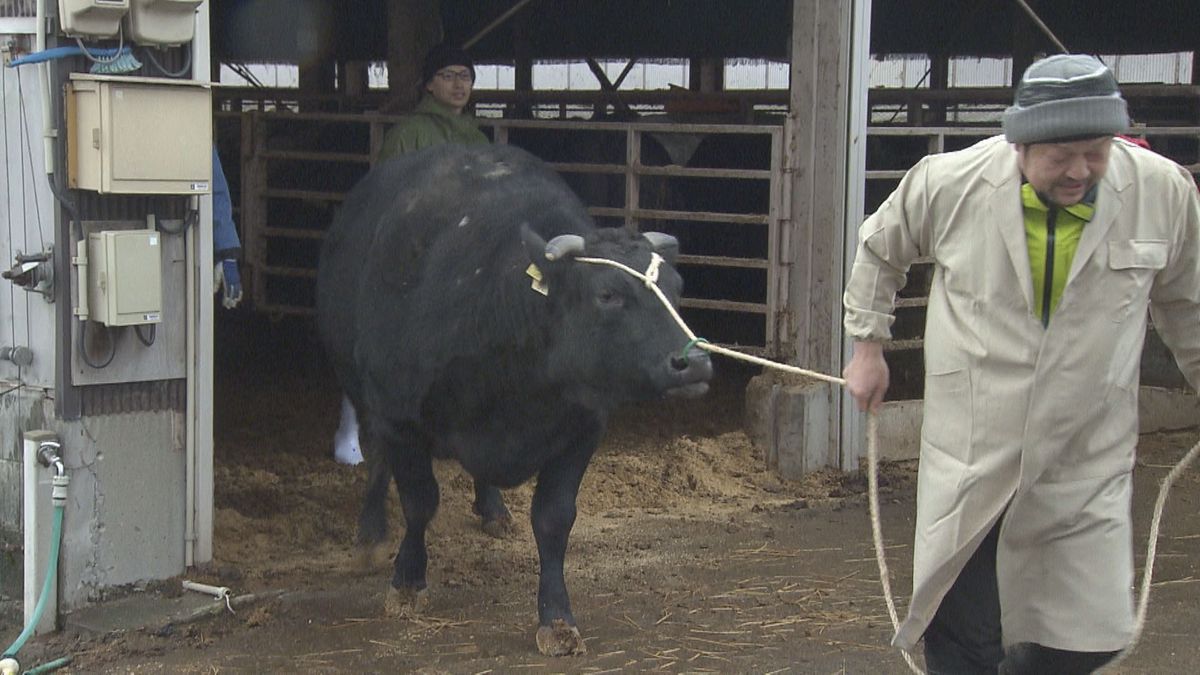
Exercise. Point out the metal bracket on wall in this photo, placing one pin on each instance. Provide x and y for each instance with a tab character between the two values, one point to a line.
34	272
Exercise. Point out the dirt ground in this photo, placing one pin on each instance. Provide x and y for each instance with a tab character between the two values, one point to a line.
687	556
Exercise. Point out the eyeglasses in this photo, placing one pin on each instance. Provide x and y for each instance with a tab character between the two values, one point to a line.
449	76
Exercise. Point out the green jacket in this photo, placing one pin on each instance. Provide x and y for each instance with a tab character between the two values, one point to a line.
431	123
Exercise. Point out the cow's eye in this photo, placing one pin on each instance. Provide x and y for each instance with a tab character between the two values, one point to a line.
609	299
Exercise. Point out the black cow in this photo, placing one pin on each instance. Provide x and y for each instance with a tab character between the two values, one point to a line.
429	310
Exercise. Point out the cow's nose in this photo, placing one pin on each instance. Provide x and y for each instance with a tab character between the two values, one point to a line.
696	361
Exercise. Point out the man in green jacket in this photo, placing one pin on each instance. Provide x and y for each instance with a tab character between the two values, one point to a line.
448	76
447	79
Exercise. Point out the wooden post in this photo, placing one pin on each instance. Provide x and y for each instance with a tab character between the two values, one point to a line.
317	80
939	80
523	75
414	26
812	238
633	160
254	205
1195	80
706	75
356	80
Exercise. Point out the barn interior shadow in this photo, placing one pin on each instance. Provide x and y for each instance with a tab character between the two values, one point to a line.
275	393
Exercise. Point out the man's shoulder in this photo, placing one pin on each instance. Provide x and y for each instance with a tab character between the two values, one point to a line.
986	150
1142	156
992	158
412	132
1133	163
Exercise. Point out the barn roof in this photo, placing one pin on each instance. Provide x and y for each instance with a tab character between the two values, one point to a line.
288	30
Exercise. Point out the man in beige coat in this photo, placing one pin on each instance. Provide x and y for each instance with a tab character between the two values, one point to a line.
1049	244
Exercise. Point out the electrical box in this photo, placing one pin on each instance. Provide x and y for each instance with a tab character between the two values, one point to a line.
124	277
91	18
139	135
162	22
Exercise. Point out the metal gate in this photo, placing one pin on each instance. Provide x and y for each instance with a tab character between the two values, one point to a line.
718	188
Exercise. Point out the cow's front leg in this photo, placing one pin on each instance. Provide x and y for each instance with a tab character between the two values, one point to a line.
489	506
412	469
553	514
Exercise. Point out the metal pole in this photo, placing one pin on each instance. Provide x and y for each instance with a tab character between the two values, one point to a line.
1040	24
491	26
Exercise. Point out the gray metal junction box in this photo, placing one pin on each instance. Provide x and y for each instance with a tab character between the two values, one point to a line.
125	277
139	135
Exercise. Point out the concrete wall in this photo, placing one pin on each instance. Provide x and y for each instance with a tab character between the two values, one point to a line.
125	513
125	516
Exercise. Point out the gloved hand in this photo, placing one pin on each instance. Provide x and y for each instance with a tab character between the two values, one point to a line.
228	282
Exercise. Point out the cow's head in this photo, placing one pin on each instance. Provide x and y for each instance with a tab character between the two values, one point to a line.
611	334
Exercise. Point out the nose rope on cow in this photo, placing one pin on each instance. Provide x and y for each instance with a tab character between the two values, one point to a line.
650	279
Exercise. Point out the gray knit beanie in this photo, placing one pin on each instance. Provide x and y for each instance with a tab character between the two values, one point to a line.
1066	96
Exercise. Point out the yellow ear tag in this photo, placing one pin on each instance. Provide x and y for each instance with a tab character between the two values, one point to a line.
536	274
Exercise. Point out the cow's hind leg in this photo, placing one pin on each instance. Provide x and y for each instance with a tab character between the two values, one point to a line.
553	514
412	469
373	520
489	506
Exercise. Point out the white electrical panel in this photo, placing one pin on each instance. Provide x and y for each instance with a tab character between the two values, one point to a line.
124	277
139	135
162	22
91	18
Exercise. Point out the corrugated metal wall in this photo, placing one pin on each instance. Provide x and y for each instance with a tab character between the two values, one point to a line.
989	72
1163	68
17	8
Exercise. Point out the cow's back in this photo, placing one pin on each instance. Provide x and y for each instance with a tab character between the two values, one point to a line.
415	240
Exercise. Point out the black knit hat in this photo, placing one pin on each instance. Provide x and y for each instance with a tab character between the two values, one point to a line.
1064	97
445	55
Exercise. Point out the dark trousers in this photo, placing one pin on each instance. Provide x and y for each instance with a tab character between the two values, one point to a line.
964	636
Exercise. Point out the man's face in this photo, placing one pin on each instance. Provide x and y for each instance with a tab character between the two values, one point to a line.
451	86
1064	172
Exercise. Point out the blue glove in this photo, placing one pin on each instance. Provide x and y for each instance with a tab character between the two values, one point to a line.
228	282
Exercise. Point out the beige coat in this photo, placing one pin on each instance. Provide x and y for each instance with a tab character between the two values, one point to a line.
1042	422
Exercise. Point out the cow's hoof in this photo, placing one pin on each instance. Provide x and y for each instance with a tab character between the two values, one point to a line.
498	527
559	639
405	603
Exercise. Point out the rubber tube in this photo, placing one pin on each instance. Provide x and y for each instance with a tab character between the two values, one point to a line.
49	666
51	572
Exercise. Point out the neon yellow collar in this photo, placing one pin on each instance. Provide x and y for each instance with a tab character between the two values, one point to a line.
1084	210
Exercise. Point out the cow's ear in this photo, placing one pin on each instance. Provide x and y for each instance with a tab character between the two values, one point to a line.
664	245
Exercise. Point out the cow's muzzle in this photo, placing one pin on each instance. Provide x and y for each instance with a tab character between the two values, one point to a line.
691	373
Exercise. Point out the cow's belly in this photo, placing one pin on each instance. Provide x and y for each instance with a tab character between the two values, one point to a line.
509	446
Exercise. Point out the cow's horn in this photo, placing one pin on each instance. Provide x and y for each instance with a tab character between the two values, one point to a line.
661	240
564	245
